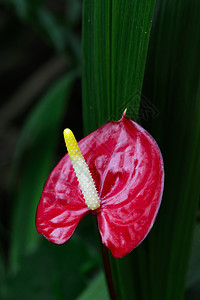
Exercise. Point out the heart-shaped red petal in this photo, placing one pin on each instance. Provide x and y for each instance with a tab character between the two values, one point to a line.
61	206
127	168
132	179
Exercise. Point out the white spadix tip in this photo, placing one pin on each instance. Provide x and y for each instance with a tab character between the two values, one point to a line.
82	171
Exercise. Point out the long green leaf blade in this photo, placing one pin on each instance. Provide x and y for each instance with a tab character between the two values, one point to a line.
96	63
114	46
173	85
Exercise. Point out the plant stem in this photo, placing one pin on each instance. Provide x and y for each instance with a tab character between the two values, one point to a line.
108	272
107	268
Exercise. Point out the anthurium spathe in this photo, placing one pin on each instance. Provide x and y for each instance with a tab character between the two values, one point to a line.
125	167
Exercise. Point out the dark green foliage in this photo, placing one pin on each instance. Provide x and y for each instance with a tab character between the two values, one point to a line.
96	289
55	22
173	85
114	46
115	43
193	278
53	272
36	149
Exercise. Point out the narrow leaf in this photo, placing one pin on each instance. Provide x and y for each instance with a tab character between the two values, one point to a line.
34	155
173	85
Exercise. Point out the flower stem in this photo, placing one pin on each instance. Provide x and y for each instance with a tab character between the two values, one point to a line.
108	272
107	269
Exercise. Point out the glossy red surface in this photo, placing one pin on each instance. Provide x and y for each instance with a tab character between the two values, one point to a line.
127	167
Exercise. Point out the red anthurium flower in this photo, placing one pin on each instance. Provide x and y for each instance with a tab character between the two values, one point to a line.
122	187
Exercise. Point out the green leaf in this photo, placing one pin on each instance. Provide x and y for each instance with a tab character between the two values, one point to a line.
49	25
33	161
96	289
193	276
193	292
53	272
73	10
2	267
114	47
172	84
